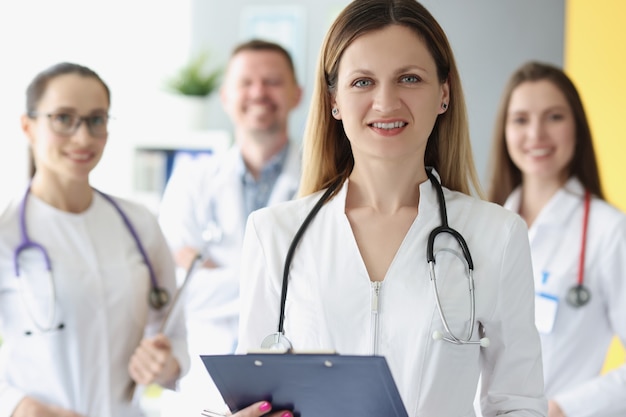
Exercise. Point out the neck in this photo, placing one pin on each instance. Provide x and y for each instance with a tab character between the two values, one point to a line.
386	188
69	196
257	150
536	193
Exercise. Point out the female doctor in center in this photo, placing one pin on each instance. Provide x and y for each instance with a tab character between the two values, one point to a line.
544	168
83	276
387	160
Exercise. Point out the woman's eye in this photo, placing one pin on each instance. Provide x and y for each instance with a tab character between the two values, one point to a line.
518	120
556	116
64	119
410	79
97	120
362	83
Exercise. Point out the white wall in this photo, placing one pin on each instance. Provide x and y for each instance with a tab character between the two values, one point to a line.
133	45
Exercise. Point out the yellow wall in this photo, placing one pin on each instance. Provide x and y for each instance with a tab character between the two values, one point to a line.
595	58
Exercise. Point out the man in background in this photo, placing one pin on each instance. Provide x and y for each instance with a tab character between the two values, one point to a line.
205	207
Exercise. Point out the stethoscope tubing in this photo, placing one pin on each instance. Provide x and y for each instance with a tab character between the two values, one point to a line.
278	340
159	297
135	236
430	256
292	250
26	243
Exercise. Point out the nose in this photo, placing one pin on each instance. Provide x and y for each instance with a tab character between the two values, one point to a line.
535	130
386	99
82	133
258	89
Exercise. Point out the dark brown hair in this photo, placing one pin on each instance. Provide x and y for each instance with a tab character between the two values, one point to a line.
505	176
37	87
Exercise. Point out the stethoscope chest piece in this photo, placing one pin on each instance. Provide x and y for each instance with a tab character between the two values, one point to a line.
277	342
578	296
159	297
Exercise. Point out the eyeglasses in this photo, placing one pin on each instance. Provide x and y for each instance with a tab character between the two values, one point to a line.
66	124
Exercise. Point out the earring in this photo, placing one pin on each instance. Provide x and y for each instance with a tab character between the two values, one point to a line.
335	111
444	106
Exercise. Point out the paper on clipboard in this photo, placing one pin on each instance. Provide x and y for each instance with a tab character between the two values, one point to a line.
310	385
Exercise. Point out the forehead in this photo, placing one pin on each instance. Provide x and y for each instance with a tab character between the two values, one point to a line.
391	46
74	91
250	63
536	95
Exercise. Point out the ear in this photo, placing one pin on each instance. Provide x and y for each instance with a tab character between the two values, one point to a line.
297	97
445	97
28	127
334	110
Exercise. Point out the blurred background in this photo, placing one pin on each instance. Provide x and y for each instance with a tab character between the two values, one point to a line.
137	45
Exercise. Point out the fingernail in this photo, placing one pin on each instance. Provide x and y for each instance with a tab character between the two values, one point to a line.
265	406
286	414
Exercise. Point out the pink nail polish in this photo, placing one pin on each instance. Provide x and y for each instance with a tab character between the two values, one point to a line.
286	414
265	406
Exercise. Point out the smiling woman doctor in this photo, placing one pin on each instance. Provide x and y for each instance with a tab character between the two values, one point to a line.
387	161
84	277
544	168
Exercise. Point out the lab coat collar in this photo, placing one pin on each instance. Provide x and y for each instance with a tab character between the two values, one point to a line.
557	211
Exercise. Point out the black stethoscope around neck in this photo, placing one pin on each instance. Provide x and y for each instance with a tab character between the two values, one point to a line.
279	342
158	297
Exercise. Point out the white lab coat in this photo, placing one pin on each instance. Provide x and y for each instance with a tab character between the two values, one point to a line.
212	191
329	302
575	350
102	287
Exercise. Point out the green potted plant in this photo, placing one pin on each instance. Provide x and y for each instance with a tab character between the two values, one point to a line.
191	87
194	79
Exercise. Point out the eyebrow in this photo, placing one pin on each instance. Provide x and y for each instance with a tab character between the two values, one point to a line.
407	68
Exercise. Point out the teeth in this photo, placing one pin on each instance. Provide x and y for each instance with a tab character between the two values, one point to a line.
393	125
539	152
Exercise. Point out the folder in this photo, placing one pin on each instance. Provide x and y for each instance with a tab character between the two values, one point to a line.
309	385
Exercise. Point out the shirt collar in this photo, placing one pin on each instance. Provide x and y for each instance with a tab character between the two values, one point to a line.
275	164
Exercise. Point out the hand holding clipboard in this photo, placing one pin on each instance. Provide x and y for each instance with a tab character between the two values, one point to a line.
309	385
130	391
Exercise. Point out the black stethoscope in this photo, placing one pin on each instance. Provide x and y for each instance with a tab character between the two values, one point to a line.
278	341
158	297
579	295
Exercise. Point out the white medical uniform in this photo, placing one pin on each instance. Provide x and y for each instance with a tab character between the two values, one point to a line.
211	192
102	287
331	302
575	350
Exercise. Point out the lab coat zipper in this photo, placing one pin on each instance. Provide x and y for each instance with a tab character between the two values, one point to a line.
376	287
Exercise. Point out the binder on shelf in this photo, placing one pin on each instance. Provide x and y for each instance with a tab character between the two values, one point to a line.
309	385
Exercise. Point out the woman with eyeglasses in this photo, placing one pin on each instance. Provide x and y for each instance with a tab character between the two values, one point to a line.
84	276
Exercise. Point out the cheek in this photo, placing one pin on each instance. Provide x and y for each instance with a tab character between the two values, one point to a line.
512	139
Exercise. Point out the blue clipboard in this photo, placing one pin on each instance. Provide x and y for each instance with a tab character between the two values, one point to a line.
310	385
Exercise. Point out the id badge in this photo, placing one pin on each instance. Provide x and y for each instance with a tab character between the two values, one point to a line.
546	306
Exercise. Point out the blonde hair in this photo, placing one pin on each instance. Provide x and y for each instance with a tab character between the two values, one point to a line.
327	155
